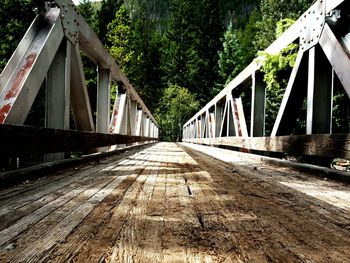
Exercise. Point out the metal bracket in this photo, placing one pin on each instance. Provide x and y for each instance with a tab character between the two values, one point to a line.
69	17
313	21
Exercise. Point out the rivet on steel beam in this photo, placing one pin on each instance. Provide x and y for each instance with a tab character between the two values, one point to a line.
68	22
66	10
63	4
62	16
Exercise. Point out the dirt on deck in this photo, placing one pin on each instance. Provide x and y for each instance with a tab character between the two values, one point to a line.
168	203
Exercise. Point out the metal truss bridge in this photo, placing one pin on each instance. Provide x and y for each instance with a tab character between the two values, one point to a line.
130	198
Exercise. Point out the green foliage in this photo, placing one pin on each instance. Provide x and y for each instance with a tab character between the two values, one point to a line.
276	70
273	11
176	106
135	45
87	10
230	58
104	16
341	112
120	36
191	45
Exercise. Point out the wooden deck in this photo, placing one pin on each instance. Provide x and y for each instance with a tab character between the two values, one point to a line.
167	204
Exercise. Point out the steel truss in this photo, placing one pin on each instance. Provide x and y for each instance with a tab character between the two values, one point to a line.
50	51
324	50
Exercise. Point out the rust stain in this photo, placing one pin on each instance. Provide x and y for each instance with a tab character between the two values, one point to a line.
3	112
16	84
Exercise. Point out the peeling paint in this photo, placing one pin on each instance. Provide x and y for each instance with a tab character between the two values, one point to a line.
4	111
16	84
13	92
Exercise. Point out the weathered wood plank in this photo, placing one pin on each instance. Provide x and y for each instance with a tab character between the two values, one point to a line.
88	186
72	219
327	145
89	229
21	140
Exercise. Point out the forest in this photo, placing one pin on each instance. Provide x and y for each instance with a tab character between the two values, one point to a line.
178	54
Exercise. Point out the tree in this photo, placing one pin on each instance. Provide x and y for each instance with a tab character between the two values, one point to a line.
211	29
176	106
230	58
273	11
87	10
104	16
136	46
180	54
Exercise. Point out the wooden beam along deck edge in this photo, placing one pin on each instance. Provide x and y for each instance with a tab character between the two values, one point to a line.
16	140
327	145
10	178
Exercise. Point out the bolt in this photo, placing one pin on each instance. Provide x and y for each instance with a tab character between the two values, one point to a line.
66	10
68	22
62	16
63	4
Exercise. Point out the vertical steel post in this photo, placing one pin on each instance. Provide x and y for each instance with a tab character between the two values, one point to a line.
257	125
218	119
139	123
103	100
57	110
319	93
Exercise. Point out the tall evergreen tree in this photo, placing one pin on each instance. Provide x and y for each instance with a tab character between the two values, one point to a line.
210	30
273	11
104	16
230	58
180	54
86	9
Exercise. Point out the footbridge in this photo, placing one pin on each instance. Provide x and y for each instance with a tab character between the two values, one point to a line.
102	188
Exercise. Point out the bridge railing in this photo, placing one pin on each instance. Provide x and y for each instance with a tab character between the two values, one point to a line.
322	62
50	53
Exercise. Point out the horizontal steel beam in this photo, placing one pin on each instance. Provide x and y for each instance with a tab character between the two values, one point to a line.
18	140
326	145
